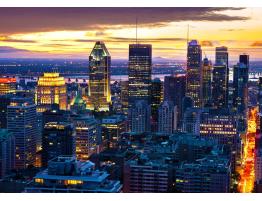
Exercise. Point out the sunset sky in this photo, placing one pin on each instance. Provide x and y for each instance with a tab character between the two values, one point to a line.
71	32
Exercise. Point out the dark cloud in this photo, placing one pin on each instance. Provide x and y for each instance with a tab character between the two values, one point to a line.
24	20
256	44
7	49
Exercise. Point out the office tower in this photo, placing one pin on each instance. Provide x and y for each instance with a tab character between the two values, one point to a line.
174	90
7	152
207	175
58	139
87	136
167	117
191	121
219	86
240	84
124	96
222	60
140	117
99	94
112	127
7	85
4	102
156	99
258	166
194	60
139	73
222	126
65	174
187	102
51	89
146	176
206	82
22	123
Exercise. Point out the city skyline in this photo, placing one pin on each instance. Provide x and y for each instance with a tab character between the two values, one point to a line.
71	32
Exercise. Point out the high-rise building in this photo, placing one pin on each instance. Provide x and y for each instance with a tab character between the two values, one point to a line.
22	123
7	152
140	117
191	120
240	84
124	96
194	60
207	175
206	82
65	174
58	139
167	117
87	136
7	85
219	86
51	89
174	90
112	127
156	99
4	102
139	73
99	94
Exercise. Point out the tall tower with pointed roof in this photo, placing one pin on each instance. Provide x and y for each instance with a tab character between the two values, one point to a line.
99	78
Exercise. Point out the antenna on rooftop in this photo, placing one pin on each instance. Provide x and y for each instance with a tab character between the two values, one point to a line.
136	29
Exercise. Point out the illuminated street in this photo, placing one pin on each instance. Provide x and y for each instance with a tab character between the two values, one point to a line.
246	172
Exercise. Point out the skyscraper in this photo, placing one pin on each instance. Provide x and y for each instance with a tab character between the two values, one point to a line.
167	117
206	82
7	85
174	90
140	117
99	97
51	89
139	73
58	139
219	86
240	84
222	56
156	99
22	122
194	60
124	96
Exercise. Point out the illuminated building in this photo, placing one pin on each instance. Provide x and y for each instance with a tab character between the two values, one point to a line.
219	86
58	139
194	60
139	73
140	117
156	99
99	95
146	176
207	175
51	89
87	136
65	174
4	102
174	90
167	117
22	123
124	96
7	85
222	126
7	152
240	84
222	60
206	82
112	127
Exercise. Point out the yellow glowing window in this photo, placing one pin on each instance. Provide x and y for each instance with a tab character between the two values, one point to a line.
39	181
73	182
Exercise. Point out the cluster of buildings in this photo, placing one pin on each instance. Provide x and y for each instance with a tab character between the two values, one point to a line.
182	134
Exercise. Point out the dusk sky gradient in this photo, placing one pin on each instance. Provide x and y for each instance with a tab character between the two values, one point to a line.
72	32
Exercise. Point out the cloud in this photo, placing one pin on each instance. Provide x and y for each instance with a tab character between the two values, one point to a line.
206	43
10	40
256	44
7	49
26	20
